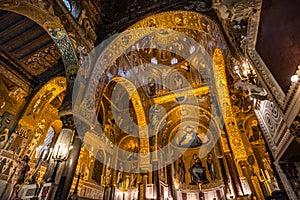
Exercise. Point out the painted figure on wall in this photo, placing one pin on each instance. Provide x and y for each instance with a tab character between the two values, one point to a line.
198	174
254	134
181	171
120	175
133	149
22	170
83	60
7	122
108	173
178	81
151	86
133	175
41	101
20	175
190	138
210	166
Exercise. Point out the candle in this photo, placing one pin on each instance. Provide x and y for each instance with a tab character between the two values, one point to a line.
57	151
44	154
49	154
263	174
267	174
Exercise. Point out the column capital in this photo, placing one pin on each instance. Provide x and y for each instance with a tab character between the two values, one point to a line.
68	121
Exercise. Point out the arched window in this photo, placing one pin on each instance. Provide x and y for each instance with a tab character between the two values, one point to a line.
73	7
68	5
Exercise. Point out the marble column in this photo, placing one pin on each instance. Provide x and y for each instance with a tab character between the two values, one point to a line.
155	180
225	175
234	174
66	180
142	187
255	189
170	180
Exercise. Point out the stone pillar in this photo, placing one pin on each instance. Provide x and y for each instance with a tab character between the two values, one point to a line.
66	180
252	180
225	175
112	192
234	175
155	180
142	187
170	180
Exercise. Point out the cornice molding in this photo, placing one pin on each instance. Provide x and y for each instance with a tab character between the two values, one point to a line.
265	77
15	78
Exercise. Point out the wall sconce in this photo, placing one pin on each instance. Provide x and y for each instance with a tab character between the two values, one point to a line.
245	72
295	78
60	154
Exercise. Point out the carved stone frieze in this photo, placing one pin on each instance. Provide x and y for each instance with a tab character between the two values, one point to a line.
264	75
235	16
273	126
292	97
254	91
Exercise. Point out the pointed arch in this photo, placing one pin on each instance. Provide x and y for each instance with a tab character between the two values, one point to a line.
41	99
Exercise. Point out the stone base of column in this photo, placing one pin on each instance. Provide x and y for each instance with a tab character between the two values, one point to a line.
37	191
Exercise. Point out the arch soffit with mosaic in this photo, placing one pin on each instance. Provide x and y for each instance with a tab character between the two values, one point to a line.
108	91
139	111
92	139
47	93
135	99
192	20
226	108
50	23
117	47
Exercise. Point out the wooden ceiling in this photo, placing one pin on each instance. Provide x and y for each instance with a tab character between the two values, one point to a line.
27	48
278	41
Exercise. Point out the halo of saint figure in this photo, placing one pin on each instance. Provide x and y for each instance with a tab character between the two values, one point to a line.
190	138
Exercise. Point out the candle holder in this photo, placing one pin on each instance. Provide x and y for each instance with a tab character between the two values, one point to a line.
245	72
60	154
78	176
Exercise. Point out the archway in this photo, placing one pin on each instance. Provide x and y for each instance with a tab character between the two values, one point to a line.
46	19
40	114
